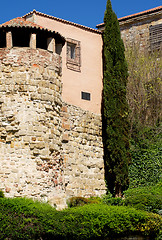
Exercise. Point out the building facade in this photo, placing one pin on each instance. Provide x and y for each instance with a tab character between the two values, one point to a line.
143	28
50	104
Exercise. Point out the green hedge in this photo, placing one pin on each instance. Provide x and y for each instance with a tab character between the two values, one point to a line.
81	201
1	194
146	202
145	198
141	198
25	219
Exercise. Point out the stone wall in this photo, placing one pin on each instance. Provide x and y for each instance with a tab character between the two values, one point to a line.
136	30
48	150
30	125
83	152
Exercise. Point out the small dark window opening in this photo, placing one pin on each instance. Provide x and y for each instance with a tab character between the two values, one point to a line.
86	96
2	39
72	51
20	37
41	40
71	48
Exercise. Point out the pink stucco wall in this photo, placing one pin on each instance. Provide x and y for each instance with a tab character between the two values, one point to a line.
89	79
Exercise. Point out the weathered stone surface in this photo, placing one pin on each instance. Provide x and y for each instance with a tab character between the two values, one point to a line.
49	150
84	171
136	30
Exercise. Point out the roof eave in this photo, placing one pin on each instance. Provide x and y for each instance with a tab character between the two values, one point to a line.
133	17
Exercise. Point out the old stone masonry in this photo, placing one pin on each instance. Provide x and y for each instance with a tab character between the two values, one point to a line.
49	150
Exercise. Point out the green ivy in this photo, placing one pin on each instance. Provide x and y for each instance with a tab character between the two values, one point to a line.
146	152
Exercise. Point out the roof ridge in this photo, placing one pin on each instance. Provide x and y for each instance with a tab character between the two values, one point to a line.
141	13
136	14
24	20
21	22
62	20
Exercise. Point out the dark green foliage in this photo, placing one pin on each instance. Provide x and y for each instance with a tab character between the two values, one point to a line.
154	190
115	107
112	201
145	198
80	201
22	218
142	198
25	219
147	202
146	151
1	194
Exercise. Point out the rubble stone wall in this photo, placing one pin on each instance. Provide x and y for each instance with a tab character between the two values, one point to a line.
49	150
83	152
137	31
30	125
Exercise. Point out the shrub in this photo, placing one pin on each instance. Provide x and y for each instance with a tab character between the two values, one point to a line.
112	201
80	201
154	190
142	198
145	198
25	219
1	194
77	201
101	221
147	202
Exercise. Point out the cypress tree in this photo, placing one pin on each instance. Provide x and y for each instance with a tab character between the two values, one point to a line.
115	107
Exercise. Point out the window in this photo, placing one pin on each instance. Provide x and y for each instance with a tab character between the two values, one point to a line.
86	96
156	37
73	55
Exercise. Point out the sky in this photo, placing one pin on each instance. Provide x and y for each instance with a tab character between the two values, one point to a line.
85	12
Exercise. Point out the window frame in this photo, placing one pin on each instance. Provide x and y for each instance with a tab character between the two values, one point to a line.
86	96
73	59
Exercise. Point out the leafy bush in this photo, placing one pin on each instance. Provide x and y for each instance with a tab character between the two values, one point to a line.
25	219
147	202
80	201
143	198
154	190
21	218
1	194
112	201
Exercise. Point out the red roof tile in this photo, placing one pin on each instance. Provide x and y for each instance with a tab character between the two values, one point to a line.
135	15
21	22
141	13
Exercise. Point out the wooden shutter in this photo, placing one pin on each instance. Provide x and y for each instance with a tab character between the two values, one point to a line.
155	37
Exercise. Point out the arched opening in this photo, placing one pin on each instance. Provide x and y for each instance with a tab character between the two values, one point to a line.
21	37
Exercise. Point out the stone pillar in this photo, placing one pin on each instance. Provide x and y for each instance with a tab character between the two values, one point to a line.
33	40
51	44
9	43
